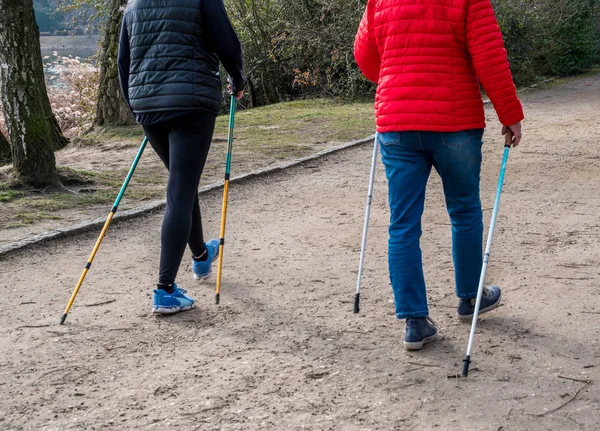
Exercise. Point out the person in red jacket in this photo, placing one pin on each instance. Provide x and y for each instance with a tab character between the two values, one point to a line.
429	58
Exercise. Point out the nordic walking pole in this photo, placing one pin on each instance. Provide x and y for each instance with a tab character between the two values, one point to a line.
225	195
104	229
366	227
486	259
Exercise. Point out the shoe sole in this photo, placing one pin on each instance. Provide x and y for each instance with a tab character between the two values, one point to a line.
167	311
419	345
202	277
469	318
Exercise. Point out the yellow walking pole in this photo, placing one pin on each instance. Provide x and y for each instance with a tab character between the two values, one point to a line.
104	230
225	195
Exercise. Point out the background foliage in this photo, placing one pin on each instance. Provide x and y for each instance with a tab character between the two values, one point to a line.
550	37
74	100
67	17
298	48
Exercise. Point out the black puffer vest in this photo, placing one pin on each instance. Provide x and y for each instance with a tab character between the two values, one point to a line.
172	67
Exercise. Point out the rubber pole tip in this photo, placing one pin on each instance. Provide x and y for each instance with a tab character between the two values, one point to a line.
63	318
357	303
466	364
218	298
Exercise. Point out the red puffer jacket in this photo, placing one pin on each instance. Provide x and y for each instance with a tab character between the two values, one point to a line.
428	57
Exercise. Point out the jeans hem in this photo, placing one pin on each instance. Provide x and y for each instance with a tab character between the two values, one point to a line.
413	315
467	296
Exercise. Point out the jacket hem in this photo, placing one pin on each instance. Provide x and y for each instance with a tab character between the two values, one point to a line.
175	108
430	128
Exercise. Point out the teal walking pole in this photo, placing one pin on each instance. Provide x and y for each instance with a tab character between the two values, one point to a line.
486	259
104	229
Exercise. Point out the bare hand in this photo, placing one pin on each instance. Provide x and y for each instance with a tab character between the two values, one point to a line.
512	134
239	94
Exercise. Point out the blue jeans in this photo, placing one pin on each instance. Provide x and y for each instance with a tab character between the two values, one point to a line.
408	158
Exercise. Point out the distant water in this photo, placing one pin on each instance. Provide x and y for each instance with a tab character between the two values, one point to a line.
84	47
76	46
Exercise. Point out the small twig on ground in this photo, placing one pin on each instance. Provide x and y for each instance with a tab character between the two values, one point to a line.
416	382
567	278
574	380
566	402
423	365
110	301
574	265
109	349
207	409
458	376
590	312
32	326
56	370
27	303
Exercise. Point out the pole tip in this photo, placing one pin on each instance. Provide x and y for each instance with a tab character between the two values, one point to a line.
63	318
466	364
357	303
217	298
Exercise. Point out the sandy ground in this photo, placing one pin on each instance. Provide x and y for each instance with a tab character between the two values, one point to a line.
283	351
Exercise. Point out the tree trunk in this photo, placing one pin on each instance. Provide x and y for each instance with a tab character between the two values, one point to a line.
5	156
112	109
32	128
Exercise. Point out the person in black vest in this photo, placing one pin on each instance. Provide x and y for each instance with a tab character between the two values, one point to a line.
168	65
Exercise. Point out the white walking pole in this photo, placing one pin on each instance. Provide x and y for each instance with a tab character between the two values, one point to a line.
486	259
366	227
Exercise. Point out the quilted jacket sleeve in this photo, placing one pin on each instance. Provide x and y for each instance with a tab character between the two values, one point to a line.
489	56
365	48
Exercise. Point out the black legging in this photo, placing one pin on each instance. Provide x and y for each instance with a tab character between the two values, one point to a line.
182	144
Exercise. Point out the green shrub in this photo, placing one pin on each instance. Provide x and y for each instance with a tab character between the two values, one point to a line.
300	48
549	37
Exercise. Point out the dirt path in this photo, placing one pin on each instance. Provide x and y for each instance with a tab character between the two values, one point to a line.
283	350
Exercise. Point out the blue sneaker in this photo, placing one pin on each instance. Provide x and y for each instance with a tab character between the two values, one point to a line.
203	269
181	294
171	303
490	300
419	332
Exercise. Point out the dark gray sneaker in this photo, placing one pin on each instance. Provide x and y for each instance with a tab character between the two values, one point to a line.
419	332
490	300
